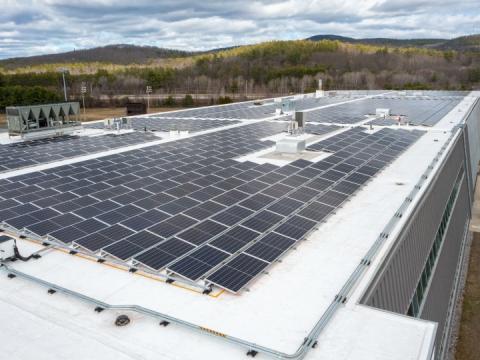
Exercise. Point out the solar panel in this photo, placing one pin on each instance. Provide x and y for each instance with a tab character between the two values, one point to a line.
198	262
238	272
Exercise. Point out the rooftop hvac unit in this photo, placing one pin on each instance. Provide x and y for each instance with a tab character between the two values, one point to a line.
37	121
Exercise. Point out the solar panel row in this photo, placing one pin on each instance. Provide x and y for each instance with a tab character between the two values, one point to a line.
34	152
425	111
247	110
152	123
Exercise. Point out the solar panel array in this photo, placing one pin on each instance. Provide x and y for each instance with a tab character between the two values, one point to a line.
166	124
74	202
425	111
387	121
421	110
245	110
349	113
436	93
34	152
319	129
318	189
189	208
308	103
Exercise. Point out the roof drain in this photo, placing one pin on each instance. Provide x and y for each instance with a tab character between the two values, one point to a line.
122	320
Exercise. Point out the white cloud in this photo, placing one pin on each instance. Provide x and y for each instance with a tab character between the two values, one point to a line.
41	26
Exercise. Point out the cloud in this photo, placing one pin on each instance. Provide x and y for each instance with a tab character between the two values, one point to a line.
32	27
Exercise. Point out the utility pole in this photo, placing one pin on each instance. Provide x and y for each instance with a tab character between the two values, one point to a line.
63	70
148	91
83	90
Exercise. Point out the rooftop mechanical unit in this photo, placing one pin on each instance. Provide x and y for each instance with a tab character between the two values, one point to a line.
118	123
290	145
136	108
36	121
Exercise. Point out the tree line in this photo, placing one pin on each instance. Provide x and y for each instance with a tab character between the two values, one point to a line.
268	69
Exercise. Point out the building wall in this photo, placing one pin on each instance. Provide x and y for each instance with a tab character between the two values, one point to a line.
472	125
395	284
440	294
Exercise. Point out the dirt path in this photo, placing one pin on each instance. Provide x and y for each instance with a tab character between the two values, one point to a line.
468	342
468	345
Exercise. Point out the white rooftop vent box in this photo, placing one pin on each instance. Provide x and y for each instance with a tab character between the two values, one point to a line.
7	247
382	112
290	145
278	111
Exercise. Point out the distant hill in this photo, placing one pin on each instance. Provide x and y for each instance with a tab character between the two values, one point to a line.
121	54
464	43
115	54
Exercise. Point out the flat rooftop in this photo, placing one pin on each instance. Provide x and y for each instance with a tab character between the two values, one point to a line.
191	218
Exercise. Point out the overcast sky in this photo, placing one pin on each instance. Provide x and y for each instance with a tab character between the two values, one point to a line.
49	26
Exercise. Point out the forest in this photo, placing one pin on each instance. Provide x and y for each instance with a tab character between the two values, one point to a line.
267	69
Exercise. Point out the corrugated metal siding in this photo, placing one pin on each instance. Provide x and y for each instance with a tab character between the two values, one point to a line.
437	300
473	133
395	283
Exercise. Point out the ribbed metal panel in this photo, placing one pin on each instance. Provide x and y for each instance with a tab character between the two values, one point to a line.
473	133
395	283
439	296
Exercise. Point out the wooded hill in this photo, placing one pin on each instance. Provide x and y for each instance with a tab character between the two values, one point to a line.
462	44
266	69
